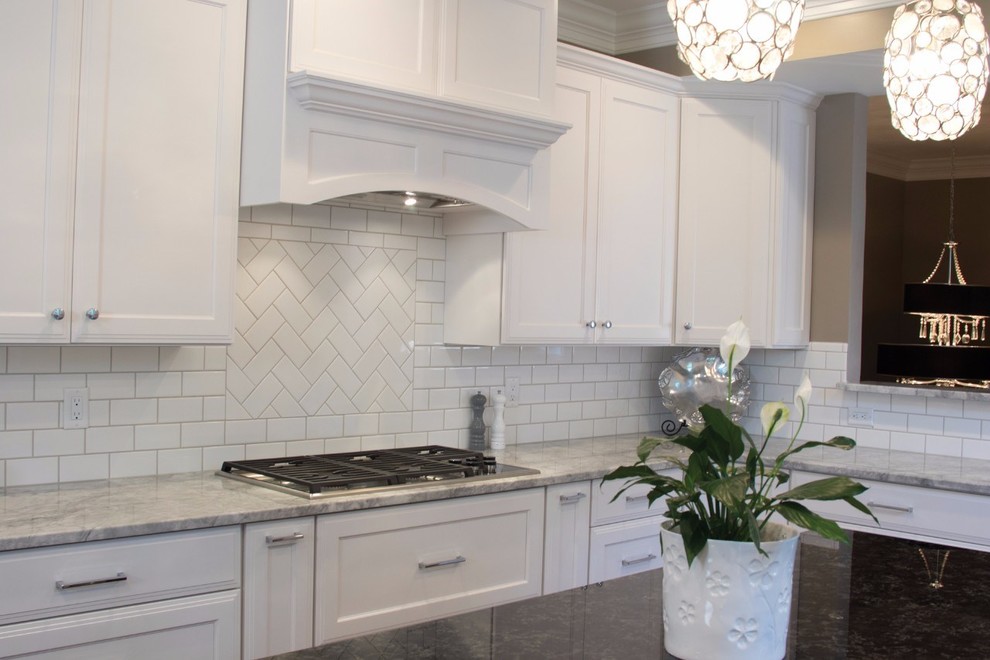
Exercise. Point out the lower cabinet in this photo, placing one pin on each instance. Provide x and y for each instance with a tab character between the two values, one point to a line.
278	586
191	628
625	532
394	566
565	554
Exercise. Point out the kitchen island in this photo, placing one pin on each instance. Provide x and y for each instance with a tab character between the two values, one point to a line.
870	600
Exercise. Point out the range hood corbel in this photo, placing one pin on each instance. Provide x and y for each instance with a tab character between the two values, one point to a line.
310	137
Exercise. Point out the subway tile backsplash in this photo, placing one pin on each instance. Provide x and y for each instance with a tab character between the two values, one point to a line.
338	348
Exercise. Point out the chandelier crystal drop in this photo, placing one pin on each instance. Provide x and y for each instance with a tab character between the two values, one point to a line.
935	68
735	39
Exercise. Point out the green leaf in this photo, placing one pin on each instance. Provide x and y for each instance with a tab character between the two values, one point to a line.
646	447
730	491
754	531
751	461
839	441
801	516
694	533
629	472
832	488
726	429
862	507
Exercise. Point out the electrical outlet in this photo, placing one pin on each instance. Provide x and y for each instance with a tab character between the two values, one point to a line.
75	408
511	392
860	417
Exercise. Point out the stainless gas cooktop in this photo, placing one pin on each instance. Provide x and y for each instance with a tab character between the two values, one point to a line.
324	475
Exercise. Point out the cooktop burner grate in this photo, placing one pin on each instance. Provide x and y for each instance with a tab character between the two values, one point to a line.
319	474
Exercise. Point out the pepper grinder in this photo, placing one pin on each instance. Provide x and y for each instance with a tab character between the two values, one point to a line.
498	422
477	428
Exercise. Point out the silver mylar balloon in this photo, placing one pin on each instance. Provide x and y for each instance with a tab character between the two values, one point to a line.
699	376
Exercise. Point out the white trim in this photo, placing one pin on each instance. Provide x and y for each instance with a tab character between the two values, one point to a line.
816	9
574	57
928	169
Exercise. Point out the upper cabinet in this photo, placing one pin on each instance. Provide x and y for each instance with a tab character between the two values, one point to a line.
745	220
496	53
603	270
120	170
451	97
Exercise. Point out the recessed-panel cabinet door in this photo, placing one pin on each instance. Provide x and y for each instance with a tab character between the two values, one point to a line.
159	144
638	216
724	239
39	47
390	42
550	275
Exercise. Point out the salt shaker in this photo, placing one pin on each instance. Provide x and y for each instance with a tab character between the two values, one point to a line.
476	431
498	422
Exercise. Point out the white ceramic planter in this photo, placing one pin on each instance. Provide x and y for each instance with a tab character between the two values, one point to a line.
732	602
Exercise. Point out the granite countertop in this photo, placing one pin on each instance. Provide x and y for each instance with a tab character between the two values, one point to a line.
35	516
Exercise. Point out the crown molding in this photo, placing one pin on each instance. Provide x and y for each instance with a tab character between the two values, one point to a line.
587	25
928	169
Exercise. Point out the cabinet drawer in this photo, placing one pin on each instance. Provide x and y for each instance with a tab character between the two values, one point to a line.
391	567
630	505
64	579
909	510
625	548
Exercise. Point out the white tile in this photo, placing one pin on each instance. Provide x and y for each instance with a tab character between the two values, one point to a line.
365	239
182	409
427	420
239	432
976	409
328	426
99	412
134	358
943	446
171	461
109	439
214	408
42	415
459	377
52	387
529	433
505	355
874	438
280	214
199	434
342	217
908	404
475	356
16	444
559	354
84	468
400	242
976	449
927	424
533	355
605	427
304	447
306	215
625	425
429	377
445	356
595	372
286	429
342	444
618	372
963	428
133	411
445	398
16	388
489	376
450	438
215	358
110	386
778	358
58	442
593	409
532	393
33	360
30	471
770	375
264	450
431	248
586	391
182	358
555	431
944	407
557	393
456	419
617	408
335	236
159	384
544	412
360	424
606	390
912	442
203	383
581	429
133	464
892	421
417	225
85	359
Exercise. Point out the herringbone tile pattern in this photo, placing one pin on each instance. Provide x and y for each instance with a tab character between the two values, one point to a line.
321	329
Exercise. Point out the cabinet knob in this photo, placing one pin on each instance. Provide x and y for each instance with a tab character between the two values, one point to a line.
688	325
607	324
592	324
58	313
92	313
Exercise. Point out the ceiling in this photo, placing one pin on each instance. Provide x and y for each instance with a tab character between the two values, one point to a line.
617	27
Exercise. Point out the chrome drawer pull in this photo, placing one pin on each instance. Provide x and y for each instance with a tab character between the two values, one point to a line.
571	499
639	560
62	586
630	499
446	562
891	507
282	540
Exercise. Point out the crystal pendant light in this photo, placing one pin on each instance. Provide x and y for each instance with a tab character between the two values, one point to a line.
735	39
935	68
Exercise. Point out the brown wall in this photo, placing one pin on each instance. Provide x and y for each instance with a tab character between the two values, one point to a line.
906	224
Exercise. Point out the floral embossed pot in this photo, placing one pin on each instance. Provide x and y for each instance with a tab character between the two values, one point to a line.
728	570
732	601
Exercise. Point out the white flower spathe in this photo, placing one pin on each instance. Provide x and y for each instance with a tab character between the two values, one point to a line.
734	346
772	415
802	397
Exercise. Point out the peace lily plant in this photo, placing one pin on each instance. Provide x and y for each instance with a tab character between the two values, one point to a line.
727	490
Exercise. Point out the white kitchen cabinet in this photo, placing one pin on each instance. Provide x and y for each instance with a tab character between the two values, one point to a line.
565	545
120	189
159	596
744	230
925	514
192	628
395	566
497	53
603	270
278	586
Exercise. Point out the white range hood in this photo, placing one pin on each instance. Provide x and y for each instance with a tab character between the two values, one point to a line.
310	136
